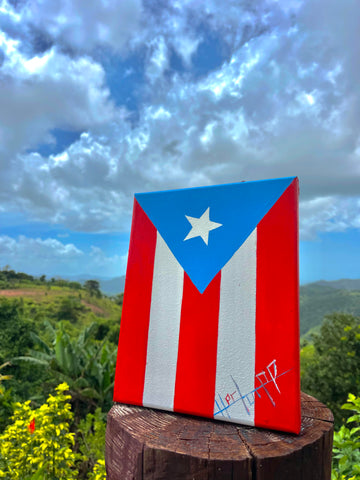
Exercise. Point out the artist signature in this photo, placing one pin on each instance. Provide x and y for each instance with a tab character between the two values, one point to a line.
268	376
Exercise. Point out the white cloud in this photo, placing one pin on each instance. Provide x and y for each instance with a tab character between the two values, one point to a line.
23	253
285	101
186	46
104	262
53	257
328	214
45	92
159	60
83	26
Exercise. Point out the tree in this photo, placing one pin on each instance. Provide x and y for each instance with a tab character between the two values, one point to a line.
70	308
93	288
346	447
15	340
334	369
118	299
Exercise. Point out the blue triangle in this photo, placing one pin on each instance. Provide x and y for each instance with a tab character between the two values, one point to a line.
238	207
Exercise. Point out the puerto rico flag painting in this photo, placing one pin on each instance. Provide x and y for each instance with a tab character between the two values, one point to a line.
210	319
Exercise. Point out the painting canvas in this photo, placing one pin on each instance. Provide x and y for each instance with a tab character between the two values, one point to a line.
210	319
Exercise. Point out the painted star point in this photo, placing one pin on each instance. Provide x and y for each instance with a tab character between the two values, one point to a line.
200	227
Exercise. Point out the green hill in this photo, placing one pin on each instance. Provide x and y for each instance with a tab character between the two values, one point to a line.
67	300
321	298
56	300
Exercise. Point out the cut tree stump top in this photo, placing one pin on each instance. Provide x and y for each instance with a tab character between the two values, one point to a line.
146	444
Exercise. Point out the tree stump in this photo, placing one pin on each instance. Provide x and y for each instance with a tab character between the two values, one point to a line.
146	444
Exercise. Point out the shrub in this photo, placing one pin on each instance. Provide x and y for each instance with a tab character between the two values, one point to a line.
38	443
99	472
91	440
346	449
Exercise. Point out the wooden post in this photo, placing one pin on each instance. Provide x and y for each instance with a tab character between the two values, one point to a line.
146	444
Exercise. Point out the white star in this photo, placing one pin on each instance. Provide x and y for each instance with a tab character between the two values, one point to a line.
201	226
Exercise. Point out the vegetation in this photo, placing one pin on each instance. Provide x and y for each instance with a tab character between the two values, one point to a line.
62	336
93	287
41	435
86	365
11	279
38	443
55	335
331	369
346	450
320	299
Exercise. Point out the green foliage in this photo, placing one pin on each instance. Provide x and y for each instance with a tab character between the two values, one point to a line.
3	377
15	337
87	365
307	352
93	288
91	439
70	309
75	285
39	442
53	332
59	300
11	279
334	369
6	409
346	448
119	298
99	472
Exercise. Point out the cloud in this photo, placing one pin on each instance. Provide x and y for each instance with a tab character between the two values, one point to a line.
104	262
158	61
283	101
328	214
72	24
23	253
47	91
53	257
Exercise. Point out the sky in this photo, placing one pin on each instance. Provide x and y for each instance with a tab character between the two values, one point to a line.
103	99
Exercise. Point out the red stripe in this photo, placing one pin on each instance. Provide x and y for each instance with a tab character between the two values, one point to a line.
277	313
131	359
196	365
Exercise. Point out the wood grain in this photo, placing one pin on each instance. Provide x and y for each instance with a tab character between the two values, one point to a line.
146	444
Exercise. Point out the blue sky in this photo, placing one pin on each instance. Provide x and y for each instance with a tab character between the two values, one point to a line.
100	100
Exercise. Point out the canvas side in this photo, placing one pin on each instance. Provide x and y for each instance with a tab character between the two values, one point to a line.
277	376
163	336
133	338
235	366
196	365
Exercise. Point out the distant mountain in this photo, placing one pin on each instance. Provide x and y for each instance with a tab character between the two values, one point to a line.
108	285
321	298
316	299
113	286
342	284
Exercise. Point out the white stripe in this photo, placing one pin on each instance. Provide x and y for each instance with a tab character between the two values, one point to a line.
235	367
163	337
